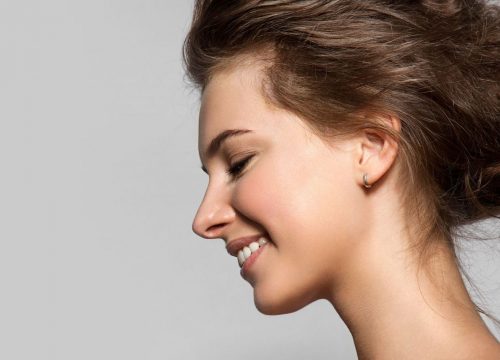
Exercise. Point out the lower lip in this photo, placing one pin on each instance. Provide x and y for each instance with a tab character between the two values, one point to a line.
249	262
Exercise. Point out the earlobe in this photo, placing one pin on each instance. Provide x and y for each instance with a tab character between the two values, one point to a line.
378	151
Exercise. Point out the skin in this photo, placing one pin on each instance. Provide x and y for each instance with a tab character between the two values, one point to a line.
331	238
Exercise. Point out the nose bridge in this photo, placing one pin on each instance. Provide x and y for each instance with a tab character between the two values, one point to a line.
214	212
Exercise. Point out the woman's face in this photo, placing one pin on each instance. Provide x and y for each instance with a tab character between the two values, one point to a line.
295	188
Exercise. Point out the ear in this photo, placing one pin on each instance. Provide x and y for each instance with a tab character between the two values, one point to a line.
376	151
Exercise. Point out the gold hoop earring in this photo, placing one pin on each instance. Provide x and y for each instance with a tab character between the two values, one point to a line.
365	181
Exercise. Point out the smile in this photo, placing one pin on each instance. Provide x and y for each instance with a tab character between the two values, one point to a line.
245	253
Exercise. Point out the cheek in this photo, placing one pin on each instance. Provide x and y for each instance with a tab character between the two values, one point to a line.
306	204
289	192
271	193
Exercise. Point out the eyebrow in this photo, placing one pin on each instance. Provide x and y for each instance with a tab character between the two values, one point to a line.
217	141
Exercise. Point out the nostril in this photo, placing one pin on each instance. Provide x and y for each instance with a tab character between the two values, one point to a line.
214	229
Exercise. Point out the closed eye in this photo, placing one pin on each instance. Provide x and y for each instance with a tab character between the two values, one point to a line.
236	169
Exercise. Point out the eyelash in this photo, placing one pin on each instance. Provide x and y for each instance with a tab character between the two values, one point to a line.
235	170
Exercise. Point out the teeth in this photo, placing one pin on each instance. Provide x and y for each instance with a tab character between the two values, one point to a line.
245	253
241	258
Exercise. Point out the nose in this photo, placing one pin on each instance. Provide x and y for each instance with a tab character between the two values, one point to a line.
214	214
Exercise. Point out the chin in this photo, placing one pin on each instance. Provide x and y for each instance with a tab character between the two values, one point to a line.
277	303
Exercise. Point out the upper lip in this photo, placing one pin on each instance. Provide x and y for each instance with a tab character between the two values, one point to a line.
236	245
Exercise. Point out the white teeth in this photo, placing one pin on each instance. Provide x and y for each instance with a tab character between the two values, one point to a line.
241	258
245	253
253	246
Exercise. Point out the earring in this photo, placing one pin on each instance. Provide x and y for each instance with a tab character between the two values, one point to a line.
365	181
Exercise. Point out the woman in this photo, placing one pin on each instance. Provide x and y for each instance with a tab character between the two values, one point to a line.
345	142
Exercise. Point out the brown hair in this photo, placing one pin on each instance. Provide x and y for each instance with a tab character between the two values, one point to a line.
435	64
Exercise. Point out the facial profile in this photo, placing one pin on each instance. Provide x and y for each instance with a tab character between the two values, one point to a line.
299	191
345	143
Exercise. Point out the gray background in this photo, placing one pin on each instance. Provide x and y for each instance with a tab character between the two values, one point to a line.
100	180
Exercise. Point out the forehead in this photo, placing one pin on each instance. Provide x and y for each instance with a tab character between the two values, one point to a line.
234	86
233	99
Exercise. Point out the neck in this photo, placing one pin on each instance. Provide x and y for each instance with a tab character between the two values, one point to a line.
394	311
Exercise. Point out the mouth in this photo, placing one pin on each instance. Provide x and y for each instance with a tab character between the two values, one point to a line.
247	252
247	248
248	264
